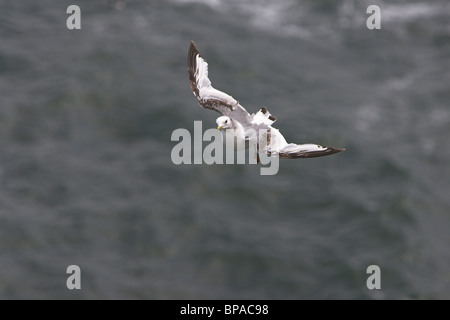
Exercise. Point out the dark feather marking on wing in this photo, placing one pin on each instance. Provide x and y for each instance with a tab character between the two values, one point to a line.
223	105
214	104
264	110
310	154
192	66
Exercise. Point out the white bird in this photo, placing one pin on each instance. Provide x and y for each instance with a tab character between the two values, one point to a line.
244	125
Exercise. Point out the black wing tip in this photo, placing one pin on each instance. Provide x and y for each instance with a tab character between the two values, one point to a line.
192	57
335	150
193	46
328	151
193	51
192	65
313	154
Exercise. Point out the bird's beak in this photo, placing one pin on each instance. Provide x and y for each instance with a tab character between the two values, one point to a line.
220	127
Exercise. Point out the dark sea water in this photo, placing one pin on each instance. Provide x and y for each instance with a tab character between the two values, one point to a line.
86	176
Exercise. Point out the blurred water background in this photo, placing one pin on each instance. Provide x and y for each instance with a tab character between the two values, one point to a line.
86	176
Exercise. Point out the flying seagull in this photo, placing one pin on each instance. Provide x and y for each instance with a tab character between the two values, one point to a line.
234	116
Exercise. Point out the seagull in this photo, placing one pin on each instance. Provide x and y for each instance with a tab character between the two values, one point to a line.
240	124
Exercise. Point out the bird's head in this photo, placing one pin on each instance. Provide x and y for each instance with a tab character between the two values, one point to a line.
224	122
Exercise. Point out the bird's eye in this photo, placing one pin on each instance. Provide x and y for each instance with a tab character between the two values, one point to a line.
226	121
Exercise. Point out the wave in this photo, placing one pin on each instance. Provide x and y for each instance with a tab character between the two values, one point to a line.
312	19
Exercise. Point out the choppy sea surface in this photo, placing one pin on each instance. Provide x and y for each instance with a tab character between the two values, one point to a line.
86	176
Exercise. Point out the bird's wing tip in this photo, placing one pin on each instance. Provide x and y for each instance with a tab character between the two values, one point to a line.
193	49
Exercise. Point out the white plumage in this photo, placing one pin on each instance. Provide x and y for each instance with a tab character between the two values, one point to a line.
234	116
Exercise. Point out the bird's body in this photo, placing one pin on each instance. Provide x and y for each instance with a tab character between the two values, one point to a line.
237	123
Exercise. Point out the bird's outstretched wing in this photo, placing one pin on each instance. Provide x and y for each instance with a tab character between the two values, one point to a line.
292	151
211	98
207	96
